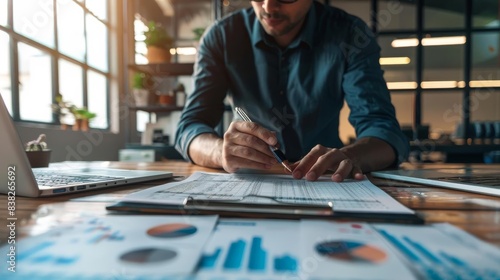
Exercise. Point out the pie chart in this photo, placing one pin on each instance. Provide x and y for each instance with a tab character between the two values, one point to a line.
148	255
172	230
351	251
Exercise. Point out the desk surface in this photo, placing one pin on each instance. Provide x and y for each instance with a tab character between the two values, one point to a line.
475	213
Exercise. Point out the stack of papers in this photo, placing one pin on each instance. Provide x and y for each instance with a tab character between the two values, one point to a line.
247	192
204	247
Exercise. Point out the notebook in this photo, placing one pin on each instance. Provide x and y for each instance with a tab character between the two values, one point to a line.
18	178
477	180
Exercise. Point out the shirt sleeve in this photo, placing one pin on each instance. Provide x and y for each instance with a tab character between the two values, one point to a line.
205	104
372	113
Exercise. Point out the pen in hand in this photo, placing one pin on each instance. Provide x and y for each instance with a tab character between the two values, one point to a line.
278	154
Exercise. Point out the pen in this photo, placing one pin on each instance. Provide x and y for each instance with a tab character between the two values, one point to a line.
278	154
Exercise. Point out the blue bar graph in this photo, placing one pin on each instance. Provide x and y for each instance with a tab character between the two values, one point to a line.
426	269
31	251
115	236
235	255
285	264
50	259
257	255
437	264
258	258
208	261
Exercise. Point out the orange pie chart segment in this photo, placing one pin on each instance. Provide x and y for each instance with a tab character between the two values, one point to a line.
351	251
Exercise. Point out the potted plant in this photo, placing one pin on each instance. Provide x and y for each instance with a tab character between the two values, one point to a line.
62	108
198	32
82	118
158	43
139	89
37	152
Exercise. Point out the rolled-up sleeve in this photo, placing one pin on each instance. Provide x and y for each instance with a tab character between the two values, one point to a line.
372	113
205	104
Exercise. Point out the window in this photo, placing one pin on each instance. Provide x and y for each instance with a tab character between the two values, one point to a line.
4	12
5	86
62	46
35	84
446	54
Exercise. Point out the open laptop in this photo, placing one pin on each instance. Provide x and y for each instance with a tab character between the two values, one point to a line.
477	180
17	177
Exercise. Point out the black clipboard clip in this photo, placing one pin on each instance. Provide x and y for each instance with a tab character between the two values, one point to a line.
278	207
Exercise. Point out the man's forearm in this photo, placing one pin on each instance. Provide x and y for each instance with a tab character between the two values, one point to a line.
370	154
206	150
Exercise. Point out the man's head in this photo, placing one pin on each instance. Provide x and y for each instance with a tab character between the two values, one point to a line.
281	19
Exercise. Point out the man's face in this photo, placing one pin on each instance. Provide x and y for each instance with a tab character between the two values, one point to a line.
281	19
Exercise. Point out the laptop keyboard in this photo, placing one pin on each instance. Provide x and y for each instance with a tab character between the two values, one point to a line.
485	180
58	179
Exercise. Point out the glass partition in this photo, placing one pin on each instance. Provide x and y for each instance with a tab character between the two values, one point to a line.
441	14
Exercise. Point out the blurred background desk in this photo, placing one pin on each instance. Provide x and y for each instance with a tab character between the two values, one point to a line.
475	213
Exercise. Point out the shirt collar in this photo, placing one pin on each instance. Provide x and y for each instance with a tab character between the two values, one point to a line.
305	36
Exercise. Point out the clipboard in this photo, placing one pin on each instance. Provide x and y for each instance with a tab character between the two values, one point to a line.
237	208
192	203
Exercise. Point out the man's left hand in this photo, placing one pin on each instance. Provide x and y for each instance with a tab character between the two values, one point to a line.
321	159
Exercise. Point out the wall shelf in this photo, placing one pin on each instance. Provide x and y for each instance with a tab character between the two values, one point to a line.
156	108
165	69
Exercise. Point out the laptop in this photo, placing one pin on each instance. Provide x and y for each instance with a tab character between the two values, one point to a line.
478	180
18	178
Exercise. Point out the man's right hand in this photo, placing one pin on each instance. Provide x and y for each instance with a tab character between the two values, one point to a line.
246	145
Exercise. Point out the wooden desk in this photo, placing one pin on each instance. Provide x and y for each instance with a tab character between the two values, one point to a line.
477	214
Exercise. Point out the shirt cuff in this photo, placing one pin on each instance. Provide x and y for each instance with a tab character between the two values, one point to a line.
183	142
397	141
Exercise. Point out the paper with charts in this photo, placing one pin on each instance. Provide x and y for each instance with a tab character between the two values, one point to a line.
113	247
350	195
273	249
308	249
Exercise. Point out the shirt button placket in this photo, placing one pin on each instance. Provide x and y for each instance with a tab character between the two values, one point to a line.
283	75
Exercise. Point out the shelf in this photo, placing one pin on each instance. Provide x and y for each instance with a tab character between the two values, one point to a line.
165	69
156	108
431	146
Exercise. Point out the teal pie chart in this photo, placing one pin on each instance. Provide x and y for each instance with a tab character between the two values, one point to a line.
173	230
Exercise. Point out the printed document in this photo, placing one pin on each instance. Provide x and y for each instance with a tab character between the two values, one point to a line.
350	195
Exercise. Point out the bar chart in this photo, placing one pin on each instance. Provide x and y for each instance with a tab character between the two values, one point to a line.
437	256
251	249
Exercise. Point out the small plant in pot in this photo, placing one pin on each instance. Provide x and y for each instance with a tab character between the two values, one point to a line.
37	152
82	118
158	42
62	109
140	90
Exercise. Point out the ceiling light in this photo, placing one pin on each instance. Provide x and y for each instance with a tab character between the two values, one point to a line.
402	85
485	83
439	84
403	43
432	41
186	50
402	60
443	41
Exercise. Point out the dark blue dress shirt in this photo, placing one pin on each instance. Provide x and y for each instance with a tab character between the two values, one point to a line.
297	91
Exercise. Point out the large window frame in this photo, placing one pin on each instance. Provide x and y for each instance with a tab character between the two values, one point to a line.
55	57
467	86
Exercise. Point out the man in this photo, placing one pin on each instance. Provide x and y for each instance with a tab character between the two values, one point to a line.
290	64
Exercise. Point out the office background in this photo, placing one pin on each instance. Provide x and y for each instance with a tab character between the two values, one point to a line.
441	62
